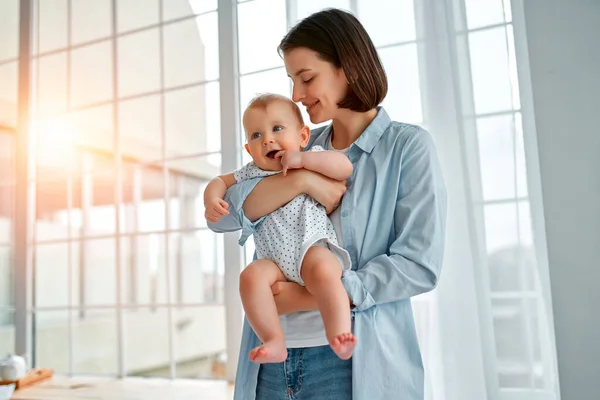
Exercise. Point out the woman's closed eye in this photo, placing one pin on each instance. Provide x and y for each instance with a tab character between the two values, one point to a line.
305	81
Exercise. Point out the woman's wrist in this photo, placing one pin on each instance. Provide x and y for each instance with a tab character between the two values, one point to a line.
300	180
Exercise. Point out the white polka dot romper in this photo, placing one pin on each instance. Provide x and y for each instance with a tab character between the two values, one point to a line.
285	235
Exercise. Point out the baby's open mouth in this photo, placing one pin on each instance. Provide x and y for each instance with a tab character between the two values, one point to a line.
272	153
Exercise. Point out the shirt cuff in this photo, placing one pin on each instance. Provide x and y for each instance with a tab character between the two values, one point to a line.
356	291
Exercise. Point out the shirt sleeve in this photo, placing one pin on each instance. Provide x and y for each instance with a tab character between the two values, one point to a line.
413	262
236	219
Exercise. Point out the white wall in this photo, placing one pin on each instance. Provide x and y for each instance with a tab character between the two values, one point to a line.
563	40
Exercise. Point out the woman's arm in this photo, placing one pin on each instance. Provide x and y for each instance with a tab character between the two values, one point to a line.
278	190
253	199
413	263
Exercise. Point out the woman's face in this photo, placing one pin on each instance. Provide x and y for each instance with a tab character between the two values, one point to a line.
318	84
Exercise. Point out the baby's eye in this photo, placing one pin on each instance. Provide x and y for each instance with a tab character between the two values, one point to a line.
277	128
255	135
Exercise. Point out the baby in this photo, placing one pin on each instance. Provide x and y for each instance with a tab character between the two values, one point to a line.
295	243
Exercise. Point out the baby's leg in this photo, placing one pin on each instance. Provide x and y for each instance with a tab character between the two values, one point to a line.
255	290
322	272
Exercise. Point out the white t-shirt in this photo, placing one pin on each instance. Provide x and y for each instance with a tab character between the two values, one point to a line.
306	329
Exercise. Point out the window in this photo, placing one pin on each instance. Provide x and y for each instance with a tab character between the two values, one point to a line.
127	135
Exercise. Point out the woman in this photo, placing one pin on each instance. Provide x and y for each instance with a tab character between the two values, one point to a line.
391	220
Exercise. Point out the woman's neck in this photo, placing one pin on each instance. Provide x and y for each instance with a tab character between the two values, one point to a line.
349	125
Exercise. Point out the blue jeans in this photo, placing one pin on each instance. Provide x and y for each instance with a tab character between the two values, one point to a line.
312	373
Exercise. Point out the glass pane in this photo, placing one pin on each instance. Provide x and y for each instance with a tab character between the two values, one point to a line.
51	340
139	63
52	85
197	258
512	63
93	128
7	204
497	156
501	227
274	81
91	74
188	179
91	20
135	14
307	7
145	261
490	71
483	13
525	226
140	128
53	24
9	30
7	159
52	279
95	342
403	101
258	41
6	275
138	360
8	93
515	342
7	332
92	201
191	51
52	204
174	9
98	275
192	120
208	26
511	270
200	351
521	164
387	21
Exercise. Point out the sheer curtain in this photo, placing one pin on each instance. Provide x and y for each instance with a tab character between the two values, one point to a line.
486	331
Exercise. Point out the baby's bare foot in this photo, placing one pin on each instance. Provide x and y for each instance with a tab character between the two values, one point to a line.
343	345
269	352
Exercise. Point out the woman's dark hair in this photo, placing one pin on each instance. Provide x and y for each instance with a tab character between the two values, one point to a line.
339	38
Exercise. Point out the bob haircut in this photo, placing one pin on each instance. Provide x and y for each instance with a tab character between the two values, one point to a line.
339	38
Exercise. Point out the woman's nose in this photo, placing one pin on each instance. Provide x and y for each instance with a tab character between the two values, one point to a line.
297	94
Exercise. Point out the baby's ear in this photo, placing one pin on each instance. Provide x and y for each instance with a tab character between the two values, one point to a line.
305	135
247	148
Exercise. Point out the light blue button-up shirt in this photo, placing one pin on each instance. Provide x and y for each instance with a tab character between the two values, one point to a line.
393	221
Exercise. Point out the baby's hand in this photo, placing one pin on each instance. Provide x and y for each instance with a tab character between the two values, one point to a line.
290	160
215	209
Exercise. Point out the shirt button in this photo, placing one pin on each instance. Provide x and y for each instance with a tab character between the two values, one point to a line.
344	213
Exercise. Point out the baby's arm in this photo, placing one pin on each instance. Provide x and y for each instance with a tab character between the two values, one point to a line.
214	204
332	164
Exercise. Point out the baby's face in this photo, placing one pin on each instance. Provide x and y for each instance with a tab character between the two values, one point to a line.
270	130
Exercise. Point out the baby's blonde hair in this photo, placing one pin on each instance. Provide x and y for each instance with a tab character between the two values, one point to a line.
264	99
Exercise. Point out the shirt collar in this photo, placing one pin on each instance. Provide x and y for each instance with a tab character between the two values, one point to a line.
369	138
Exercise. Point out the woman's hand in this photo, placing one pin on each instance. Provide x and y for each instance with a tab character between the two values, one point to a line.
291	297
324	190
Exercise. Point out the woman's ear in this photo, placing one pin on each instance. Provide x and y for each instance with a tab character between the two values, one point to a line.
304	136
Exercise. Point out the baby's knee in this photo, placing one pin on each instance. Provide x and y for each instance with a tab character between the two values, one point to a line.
320	269
251	275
